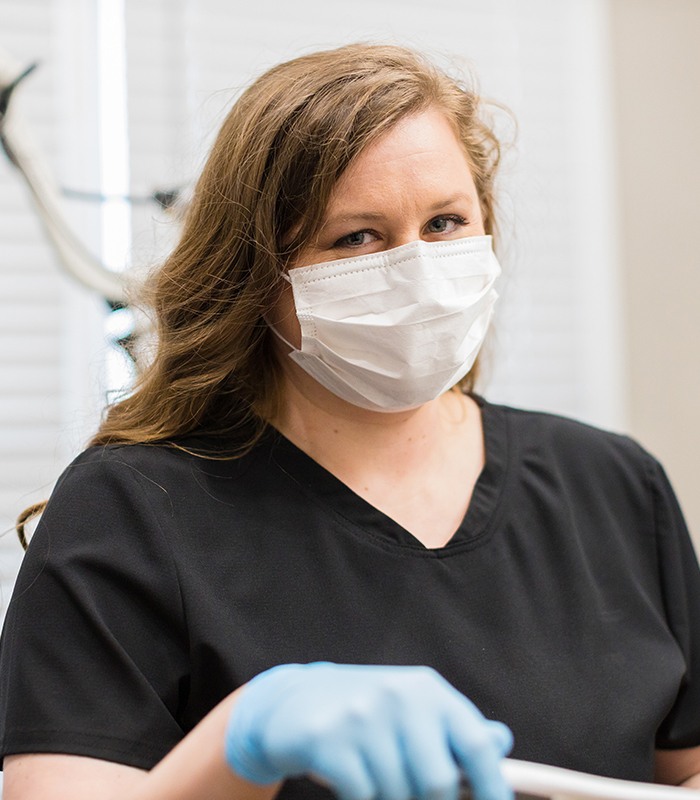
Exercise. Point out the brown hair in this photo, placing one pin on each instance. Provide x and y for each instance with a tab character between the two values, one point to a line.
261	196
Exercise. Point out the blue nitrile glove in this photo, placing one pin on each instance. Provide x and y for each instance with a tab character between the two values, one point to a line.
390	733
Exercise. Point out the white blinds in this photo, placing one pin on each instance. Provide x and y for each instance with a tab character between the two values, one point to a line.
49	329
30	400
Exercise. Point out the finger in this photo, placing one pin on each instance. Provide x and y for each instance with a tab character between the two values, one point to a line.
386	764
479	747
431	767
346	774
503	736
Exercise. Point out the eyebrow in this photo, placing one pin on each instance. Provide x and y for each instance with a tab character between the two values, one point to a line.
372	216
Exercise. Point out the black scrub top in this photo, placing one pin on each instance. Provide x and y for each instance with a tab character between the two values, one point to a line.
566	605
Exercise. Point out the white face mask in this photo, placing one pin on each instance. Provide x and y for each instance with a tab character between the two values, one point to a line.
392	330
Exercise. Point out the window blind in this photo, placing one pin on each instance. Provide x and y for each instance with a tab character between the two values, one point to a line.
50	345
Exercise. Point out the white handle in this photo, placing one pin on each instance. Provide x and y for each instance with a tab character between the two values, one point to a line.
557	783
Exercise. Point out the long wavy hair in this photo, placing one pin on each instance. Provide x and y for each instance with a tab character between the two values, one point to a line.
261	196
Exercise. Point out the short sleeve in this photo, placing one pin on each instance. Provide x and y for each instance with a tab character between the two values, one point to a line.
93	657
680	583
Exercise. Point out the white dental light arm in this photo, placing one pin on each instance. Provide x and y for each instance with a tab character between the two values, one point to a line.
27	157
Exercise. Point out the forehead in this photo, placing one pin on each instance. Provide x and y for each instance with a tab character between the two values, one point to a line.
420	154
427	131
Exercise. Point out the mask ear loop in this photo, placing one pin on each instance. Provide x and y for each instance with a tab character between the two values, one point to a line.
285	277
279	336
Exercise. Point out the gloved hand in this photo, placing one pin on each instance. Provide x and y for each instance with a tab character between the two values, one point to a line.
390	733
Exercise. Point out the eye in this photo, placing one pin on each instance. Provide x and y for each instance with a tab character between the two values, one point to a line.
355	239
446	224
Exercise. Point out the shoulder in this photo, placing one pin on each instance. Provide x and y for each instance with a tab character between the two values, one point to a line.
575	450
566	434
118	497
127	459
607	479
152	469
101	478
109	518
154	484
105	496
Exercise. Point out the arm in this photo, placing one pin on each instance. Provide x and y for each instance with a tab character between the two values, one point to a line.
399	732
678	767
193	770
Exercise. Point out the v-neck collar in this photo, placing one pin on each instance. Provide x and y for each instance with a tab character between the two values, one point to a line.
339	499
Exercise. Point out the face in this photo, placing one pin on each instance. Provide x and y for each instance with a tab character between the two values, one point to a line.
412	183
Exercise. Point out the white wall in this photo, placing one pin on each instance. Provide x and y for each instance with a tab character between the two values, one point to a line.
658	146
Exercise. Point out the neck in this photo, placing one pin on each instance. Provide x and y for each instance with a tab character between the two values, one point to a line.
345	438
418	467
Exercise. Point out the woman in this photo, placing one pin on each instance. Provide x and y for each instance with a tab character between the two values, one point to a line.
302	476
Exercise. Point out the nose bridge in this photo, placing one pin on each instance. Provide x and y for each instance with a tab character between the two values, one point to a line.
405	238
406	229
